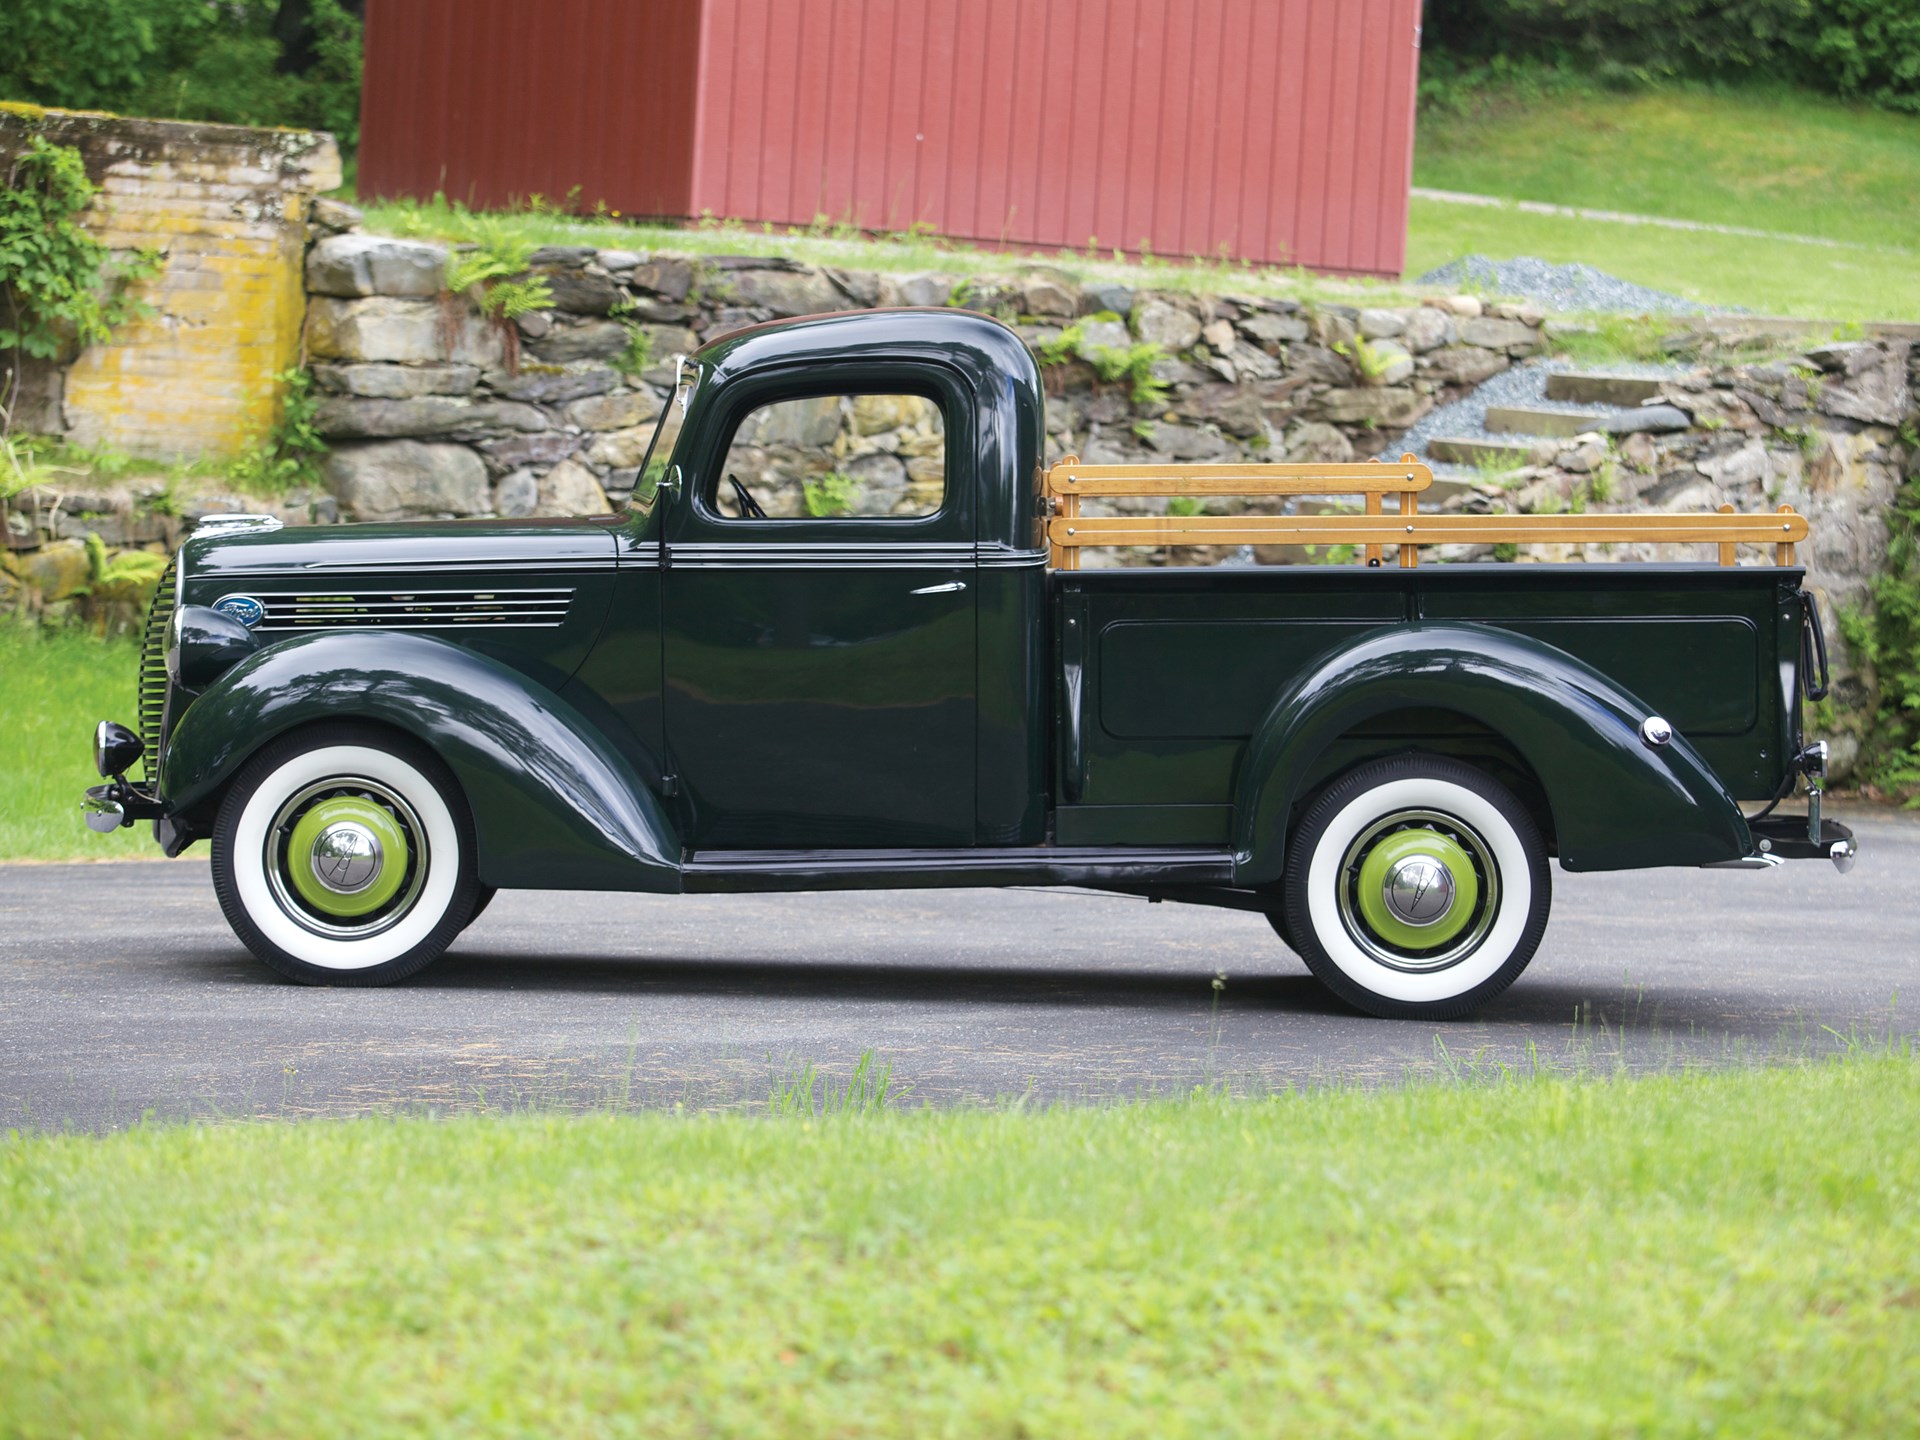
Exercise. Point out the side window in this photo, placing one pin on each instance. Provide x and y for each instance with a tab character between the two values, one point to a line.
836	456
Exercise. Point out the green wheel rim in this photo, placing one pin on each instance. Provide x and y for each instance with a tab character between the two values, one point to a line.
1378	865
376	821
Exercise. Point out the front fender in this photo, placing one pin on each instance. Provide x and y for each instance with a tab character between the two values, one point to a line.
554	805
1617	804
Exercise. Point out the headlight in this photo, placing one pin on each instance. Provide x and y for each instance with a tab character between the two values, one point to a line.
116	749
203	644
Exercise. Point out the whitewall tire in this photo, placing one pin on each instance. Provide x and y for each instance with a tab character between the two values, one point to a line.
343	855
1416	888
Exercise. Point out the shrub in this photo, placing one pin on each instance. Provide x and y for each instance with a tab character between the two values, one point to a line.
1861	49
246	62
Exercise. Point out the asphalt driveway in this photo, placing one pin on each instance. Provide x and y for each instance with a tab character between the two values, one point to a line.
123	994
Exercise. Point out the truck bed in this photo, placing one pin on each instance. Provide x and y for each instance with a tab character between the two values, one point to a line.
1164	675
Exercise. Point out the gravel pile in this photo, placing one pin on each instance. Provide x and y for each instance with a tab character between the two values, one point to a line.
1524	385
1556	287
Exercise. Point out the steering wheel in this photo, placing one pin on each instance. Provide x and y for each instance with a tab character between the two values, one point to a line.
749	507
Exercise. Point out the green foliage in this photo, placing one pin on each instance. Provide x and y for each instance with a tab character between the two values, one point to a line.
47	460
292	452
1603	486
1499	467
1185	505
1062	348
1133	364
832	494
128	575
245	62
59	286
1860	49
1369	361
1891	644
495	271
804	1093
638	354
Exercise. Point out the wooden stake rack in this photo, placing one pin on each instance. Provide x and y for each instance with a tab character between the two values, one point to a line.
1069	530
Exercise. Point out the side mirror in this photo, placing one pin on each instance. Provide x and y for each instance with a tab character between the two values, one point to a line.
116	749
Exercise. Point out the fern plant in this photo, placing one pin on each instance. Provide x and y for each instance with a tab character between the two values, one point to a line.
831	495
495	271
1133	364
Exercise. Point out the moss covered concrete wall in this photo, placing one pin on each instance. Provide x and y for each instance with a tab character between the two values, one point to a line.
227	206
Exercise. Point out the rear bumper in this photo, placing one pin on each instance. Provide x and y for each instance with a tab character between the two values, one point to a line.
1778	839
1789	837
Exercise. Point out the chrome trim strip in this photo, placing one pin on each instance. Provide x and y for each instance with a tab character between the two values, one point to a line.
998	557
980	858
444	624
414	567
749	555
216	523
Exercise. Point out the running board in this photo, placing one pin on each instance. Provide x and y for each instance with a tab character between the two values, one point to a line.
711	871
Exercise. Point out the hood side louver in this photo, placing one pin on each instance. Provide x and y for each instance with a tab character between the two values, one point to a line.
417	610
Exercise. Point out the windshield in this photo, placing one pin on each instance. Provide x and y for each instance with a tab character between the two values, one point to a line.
666	435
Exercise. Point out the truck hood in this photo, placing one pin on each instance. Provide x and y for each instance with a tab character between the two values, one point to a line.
219	553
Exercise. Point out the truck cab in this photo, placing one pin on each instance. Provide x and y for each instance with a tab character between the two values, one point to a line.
843	638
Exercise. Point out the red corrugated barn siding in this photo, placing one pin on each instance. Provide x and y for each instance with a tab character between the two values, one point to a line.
1270	130
495	100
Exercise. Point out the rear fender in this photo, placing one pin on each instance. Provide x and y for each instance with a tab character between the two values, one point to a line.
555	806
1617	802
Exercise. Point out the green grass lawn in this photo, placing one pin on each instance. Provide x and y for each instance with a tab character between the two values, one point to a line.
1727	1254
1771	277
53	689
1768	159
1775	160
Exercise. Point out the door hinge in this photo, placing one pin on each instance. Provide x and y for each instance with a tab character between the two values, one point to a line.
669	785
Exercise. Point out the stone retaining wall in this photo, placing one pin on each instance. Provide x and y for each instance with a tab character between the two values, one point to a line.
433	410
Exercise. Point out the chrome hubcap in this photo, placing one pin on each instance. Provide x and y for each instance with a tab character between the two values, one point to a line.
347	857
1418	890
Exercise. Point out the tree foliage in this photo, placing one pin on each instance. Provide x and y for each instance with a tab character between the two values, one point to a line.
1860	49
246	62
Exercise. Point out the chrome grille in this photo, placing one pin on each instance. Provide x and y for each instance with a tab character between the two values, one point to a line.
417	610
153	671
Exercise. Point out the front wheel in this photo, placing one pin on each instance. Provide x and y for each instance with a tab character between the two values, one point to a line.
343	855
1417	888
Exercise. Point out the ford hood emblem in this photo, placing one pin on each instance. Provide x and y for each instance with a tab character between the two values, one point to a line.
244	608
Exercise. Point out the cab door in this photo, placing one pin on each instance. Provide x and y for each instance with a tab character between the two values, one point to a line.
819	652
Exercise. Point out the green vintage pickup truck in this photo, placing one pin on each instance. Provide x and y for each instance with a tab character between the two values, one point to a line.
843	638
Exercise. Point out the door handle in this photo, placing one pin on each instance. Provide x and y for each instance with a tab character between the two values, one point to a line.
947	589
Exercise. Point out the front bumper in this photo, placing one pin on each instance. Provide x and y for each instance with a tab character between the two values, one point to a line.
117	804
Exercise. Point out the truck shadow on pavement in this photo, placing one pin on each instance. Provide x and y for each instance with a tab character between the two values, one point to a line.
1542	1003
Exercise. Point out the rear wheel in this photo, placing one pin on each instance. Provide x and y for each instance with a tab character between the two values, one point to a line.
343	855
1416	888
